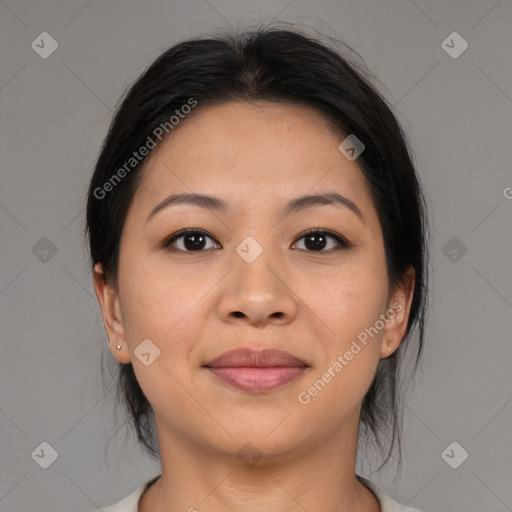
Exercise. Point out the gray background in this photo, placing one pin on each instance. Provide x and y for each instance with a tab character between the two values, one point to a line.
55	111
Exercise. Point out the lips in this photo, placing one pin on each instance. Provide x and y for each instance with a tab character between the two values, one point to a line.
255	358
256	370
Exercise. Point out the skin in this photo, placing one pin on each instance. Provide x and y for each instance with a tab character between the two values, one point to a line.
196	305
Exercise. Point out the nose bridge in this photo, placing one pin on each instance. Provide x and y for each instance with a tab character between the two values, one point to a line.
256	290
256	265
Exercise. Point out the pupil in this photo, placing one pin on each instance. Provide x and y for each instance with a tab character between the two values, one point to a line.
196	242
310	244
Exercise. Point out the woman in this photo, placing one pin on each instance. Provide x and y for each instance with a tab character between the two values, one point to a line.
258	240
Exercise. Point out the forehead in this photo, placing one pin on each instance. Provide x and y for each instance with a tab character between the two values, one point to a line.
243	151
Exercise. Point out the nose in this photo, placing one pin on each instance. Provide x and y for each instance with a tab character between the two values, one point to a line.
257	293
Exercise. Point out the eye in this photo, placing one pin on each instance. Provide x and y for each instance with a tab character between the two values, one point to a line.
196	240
316	240
189	240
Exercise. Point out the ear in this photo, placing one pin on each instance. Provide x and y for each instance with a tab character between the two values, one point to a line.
399	306
112	317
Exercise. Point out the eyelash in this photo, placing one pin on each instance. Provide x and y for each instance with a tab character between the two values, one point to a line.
342	242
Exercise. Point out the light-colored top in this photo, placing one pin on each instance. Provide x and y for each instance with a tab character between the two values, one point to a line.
131	502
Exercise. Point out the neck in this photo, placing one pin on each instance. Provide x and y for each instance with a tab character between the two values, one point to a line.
312	477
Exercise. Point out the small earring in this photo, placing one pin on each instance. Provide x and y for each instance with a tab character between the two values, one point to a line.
118	348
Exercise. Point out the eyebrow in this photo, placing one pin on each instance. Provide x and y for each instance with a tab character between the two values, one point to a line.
293	206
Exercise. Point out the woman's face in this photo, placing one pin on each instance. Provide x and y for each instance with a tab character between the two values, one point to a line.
249	278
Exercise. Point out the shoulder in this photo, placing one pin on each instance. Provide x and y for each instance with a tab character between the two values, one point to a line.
387	504
131	502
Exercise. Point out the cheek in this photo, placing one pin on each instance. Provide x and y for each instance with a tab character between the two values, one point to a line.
168	305
145	282
162	306
157	300
350	297
350	349
349	301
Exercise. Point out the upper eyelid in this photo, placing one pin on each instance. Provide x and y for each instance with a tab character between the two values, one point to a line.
172	238
340	239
